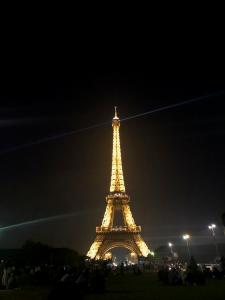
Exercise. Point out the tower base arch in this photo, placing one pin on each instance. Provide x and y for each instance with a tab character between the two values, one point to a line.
105	241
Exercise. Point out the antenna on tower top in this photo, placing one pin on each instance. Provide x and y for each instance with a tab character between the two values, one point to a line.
115	111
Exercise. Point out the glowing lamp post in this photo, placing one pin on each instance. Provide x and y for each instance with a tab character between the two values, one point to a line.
186	237
214	235
170	245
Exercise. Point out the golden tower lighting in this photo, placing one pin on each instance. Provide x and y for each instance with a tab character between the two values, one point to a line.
109	236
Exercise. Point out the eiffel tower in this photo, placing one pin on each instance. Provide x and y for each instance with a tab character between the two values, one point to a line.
109	236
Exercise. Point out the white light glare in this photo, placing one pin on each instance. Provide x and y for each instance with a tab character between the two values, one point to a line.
170	245
212	226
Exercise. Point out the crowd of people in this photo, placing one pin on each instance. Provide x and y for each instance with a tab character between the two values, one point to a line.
193	275
9	274
80	279
66	280
75	282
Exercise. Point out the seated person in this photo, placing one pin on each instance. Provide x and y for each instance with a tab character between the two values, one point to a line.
66	290
12	282
83	279
172	277
160	274
67	277
216	273
52	277
97	282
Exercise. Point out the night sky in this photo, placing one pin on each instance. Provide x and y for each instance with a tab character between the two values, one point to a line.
173	160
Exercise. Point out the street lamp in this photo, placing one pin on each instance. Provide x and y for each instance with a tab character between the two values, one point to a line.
170	245
214	235
186	237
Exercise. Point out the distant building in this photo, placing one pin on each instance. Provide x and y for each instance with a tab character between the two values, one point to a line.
109	255
132	258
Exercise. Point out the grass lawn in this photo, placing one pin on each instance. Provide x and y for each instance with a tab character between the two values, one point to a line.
128	287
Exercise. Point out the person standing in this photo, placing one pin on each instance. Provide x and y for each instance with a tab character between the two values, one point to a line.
121	268
9	271
12	282
1	271
4	277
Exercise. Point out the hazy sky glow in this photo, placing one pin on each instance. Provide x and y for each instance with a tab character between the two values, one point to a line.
172	141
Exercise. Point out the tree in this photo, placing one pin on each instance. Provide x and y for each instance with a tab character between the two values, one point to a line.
32	245
223	218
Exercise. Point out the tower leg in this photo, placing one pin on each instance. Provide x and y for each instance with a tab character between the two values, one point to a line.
108	217
127	216
142	245
92	253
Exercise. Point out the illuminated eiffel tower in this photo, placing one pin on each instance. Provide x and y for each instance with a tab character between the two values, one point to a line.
109	236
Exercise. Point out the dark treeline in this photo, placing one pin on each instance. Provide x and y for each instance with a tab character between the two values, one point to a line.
35	253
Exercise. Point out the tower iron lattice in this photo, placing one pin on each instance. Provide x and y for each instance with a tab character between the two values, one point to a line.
107	235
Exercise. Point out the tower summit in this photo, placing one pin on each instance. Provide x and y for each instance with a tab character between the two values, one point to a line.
109	236
117	181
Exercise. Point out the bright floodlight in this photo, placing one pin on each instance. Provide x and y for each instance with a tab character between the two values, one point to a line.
212	226
170	245
185	236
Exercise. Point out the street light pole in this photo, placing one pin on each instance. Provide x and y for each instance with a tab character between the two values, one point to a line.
170	245
186	237
214	236
188	250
